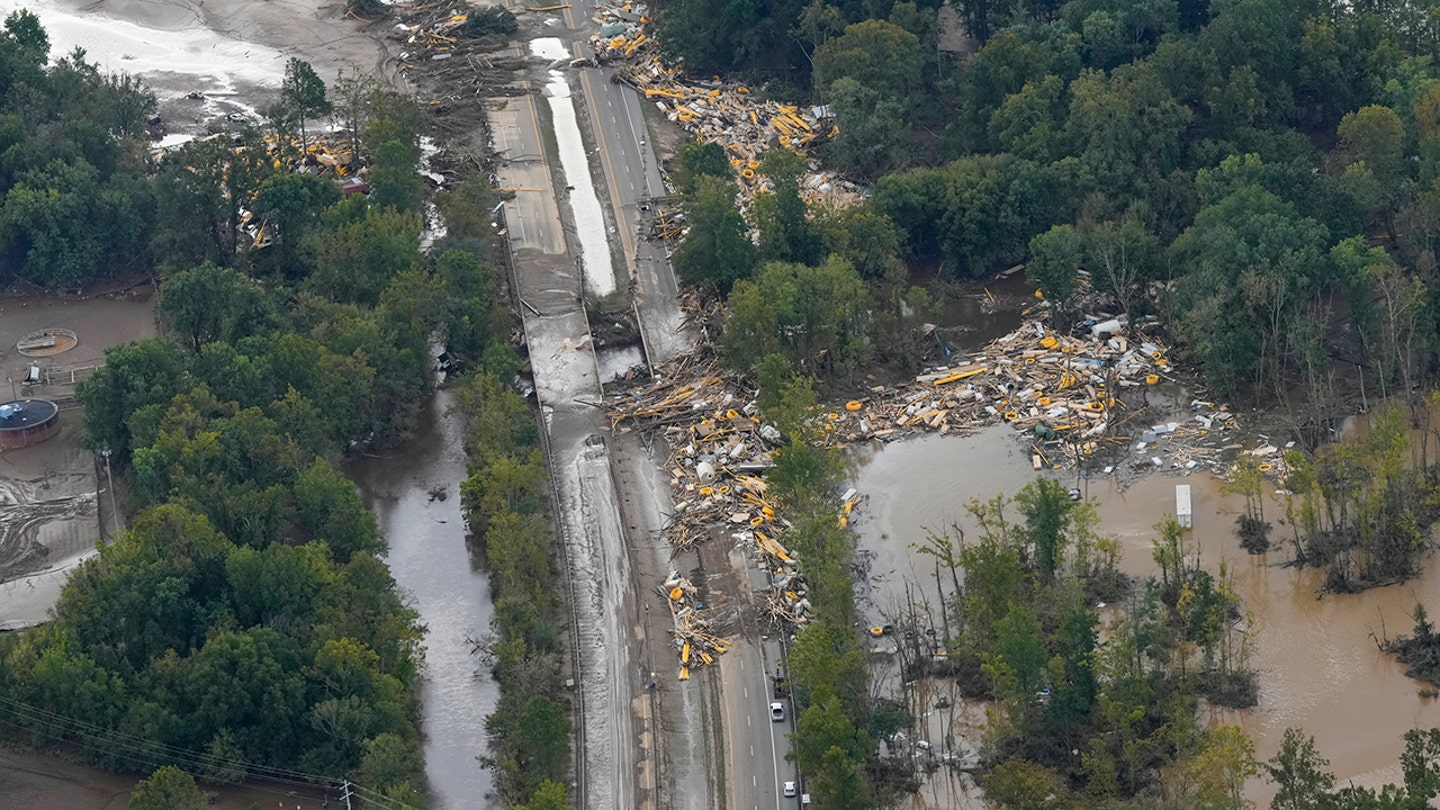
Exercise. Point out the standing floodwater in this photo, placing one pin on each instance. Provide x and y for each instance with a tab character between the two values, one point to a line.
415	491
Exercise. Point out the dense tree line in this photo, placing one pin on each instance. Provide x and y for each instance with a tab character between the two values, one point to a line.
505	501
1260	173
81	197
244	623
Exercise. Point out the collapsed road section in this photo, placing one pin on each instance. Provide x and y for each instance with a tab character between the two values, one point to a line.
548	281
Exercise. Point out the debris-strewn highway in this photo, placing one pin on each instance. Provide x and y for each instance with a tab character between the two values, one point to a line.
638	747
548	280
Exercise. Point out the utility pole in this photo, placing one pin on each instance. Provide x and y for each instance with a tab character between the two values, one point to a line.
346	794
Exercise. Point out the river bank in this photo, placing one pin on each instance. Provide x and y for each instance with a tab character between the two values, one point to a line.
209	61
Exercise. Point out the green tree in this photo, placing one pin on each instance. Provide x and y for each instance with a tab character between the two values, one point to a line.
542	739
1299	773
1420	762
1056	256
866	239
1027	124
1046	506
839	783
717	251
824	726
146	372
549	796
210	303
356	262
879	55
786	234
304	91
328	508
1375	135
1126	129
815	316
825	660
1018	784
1224	762
1121	257
1250	259
50	216
875	137
392	137
290	203
469	222
390	761
990	209
473	308
24	49
698	159
168	788
491	21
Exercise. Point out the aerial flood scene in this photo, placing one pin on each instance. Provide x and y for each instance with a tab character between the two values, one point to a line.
712	405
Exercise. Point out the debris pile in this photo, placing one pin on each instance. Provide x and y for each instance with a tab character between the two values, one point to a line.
437	36
321	155
1070	397
718	449
719	111
1073	398
693	640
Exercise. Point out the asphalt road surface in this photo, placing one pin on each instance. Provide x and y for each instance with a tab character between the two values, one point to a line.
632	173
756	745
566	382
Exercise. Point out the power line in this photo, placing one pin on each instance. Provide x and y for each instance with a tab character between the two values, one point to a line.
152	753
145	764
132	742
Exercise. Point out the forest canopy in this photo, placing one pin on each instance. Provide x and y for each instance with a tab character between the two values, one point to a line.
1261	174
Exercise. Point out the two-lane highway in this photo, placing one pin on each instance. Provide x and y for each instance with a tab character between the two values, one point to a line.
756	743
757	747
634	176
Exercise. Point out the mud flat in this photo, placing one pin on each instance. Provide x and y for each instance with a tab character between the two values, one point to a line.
1318	664
51	503
232	52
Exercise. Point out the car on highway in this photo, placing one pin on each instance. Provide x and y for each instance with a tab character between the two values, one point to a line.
789	789
777	712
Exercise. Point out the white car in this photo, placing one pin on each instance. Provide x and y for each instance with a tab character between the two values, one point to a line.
777	712
789	789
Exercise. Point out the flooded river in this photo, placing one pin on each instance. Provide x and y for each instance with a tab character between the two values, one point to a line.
1318	663
414	490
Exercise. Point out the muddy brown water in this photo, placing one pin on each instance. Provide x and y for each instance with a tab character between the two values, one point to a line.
1319	666
442	577
972	318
